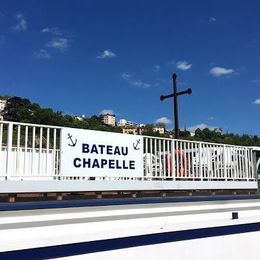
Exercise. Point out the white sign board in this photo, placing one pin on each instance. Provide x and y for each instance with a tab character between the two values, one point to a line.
88	153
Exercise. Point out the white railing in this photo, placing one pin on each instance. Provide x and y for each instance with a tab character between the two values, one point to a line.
28	151
32	152
181	159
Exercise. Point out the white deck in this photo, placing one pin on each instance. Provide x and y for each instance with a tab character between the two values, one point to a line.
28	229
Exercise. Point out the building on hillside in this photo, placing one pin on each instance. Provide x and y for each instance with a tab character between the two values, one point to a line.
121	123
108	119
130	130
159	129
2	107
2	104
126	123
138	130
80	118
134	130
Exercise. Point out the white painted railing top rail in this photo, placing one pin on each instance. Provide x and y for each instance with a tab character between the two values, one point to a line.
32	152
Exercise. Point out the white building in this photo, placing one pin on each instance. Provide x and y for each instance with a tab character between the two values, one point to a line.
108	119
159	129
134	130
125	123
2	104
121	122
80	118
2	107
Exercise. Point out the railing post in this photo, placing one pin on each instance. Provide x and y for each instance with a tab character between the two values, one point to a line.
225	161
255	173
172	160
200	161
9	150
247	158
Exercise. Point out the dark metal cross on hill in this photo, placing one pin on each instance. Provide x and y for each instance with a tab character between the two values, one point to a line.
175	100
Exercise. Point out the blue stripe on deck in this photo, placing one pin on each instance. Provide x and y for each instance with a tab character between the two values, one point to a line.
128	242
111	202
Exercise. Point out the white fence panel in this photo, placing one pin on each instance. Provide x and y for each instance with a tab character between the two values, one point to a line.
26	164
181	159
29	152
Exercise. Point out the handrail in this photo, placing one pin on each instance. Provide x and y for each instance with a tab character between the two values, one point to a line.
29	124
153	137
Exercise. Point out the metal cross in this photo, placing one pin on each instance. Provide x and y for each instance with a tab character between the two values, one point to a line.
175	100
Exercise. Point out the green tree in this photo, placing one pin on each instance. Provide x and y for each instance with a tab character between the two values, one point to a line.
22	110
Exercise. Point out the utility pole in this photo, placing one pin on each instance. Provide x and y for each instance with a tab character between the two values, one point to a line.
175	103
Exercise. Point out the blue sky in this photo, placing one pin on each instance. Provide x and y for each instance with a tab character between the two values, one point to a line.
83	57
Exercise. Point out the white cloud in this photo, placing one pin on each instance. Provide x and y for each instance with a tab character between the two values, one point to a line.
42	54
211	118
163	120
201	126
146	85
52	30
220	71
126	76
212	19
60	44
140	83
107	111
257	101
156	68
135	82
106	54
21	25
183	65
255	81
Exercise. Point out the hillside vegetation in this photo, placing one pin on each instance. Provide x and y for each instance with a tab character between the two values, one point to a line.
22	110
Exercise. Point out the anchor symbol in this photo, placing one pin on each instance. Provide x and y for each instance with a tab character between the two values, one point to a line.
136	146
73	143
